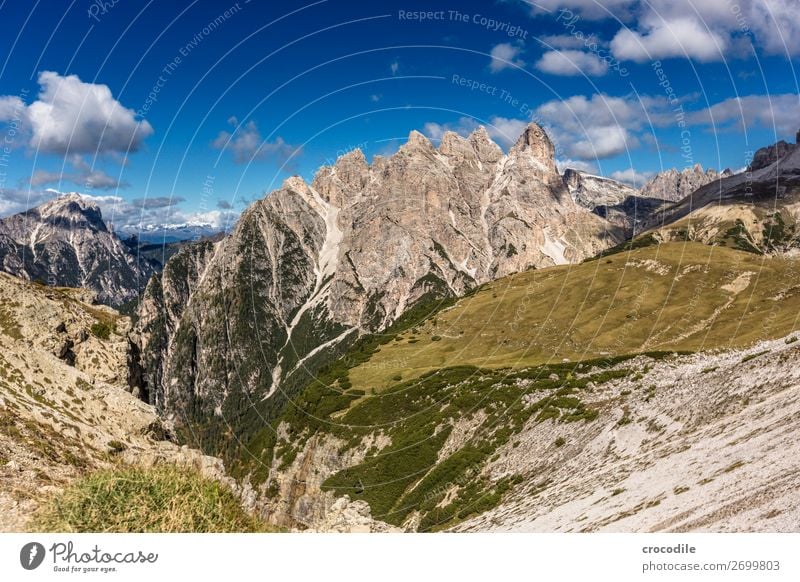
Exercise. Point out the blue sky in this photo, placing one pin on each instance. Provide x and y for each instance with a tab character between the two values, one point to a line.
187	111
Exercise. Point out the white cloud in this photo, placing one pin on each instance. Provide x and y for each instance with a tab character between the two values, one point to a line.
602	126
505	56
13	201
707	30
680	37
83	175
73	117
632	177
395	67
246	144
569	41
603	142
779	113
580	165
572	63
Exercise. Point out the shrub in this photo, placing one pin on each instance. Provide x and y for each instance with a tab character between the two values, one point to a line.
436	338
560	442
102	330
133	499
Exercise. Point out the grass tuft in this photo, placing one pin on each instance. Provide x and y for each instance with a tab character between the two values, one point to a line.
133	500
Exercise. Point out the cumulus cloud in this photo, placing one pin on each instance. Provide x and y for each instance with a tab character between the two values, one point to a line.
157	202
589	9
247	145
679	37
632	177
711	30
73	117
224	205
83	174
779	113
602	126
15	200
571	63
505	56
568	41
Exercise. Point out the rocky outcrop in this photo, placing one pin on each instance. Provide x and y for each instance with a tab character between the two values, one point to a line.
66	243
674	185
591	191
65	411
756	211
312	266
618	203
767	156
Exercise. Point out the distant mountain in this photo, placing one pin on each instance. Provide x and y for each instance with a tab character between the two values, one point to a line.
622	205
66	243
675	185
769	155
756	211
169	233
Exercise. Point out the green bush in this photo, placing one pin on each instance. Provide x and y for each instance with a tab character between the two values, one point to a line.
102	330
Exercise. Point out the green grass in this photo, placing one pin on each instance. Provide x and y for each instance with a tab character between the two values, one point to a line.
584	311
164	499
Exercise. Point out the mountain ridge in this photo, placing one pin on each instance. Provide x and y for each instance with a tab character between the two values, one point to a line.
65	242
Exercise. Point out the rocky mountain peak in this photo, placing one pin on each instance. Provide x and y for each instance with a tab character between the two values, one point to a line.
72	210
453	143
487	150
65	242
768	155
417	141
674	185
535	144
353	252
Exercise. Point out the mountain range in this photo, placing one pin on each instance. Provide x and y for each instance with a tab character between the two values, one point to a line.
423	342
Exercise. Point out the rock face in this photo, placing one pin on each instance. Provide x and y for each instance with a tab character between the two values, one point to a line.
312	266
674	185
592	191
620	204
66	243
767	156
61	417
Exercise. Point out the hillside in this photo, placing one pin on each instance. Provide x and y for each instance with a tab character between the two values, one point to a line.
672	297
756	211
423	422
311	267
65	407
